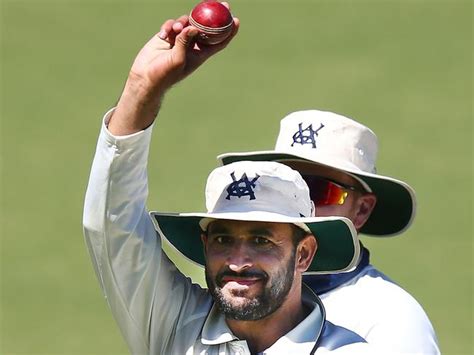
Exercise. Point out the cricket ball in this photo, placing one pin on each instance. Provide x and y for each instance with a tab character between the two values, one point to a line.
213	20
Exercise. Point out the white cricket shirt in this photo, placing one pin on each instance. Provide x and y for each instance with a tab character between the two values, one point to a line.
158	309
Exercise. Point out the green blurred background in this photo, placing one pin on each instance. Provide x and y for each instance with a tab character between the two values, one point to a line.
404	68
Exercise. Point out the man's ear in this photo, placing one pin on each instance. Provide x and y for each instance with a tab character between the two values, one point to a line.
305	252
364	207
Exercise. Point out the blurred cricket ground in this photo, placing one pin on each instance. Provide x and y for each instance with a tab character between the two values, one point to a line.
403	68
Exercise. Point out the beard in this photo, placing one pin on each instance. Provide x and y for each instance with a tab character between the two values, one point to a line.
260	306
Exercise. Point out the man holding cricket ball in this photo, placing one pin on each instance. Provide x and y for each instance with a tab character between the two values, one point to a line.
259	236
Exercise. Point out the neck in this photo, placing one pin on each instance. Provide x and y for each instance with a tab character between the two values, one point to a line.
263	333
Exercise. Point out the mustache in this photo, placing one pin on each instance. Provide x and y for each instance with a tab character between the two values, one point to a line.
242	274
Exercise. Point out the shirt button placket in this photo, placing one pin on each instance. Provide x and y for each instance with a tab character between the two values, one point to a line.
239	349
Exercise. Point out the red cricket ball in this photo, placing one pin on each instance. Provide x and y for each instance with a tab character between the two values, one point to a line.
213	20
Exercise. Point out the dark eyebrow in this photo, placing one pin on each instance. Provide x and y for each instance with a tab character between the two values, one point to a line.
221	228
261	231
217	228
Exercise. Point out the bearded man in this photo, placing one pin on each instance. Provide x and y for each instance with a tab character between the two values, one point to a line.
259	235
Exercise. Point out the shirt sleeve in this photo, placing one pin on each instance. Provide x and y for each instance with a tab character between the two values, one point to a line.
143	288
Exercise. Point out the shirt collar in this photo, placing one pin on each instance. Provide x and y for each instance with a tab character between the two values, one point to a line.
215	330
302	338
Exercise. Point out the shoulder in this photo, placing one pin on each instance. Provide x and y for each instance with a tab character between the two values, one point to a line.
334	336
382	312
359	349
344	341
372	287
377	297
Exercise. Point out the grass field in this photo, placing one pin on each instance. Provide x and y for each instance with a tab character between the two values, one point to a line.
404	68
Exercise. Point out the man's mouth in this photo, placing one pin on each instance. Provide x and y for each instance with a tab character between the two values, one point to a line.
239	281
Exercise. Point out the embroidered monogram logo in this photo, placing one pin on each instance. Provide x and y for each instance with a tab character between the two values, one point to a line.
307	135
242	187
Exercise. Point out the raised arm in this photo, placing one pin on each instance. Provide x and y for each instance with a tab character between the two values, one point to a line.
142	287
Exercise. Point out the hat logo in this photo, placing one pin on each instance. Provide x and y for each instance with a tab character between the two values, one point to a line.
241	187
307	135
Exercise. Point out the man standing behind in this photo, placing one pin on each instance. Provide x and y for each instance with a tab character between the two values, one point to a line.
336	156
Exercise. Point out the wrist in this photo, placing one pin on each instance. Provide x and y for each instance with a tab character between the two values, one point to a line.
137	107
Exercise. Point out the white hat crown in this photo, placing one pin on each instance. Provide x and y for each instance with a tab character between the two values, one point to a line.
247	187
328	137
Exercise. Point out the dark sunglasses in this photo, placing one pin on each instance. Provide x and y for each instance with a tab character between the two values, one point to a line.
325	192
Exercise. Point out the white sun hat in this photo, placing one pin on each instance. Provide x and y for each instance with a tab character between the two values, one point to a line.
265	192
338	142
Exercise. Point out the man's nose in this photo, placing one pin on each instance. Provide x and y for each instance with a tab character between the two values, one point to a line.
240	257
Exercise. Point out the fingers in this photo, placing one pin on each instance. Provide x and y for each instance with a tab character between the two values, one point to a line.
184	40
171	28
235	29
181	37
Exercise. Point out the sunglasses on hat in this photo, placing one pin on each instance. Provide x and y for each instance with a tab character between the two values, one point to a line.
325	192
